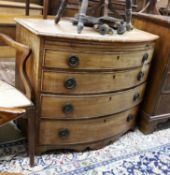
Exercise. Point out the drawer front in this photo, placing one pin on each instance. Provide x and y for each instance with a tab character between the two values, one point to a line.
72	106
79	60
83	131
81	83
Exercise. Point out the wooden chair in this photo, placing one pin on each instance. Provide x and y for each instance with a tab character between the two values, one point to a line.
150	7
13	103
45	8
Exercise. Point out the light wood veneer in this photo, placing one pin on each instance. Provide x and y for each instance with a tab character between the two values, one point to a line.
87	87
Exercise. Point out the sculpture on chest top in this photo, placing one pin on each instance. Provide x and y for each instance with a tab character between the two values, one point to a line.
105	24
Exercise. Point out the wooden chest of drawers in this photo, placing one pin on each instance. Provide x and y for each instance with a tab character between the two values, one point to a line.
87	87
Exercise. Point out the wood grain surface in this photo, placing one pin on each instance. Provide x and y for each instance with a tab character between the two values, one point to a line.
92	82
156	103
96	59
86	131
90	105
65	29
95	111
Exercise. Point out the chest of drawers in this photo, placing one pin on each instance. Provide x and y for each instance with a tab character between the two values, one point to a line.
87	87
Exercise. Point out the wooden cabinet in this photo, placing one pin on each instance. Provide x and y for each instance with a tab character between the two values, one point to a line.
88	87
155	110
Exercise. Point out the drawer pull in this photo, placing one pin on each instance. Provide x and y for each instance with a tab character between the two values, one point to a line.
68	108
70	83
140	76
63	132
130	118
145	57
136	97
73	61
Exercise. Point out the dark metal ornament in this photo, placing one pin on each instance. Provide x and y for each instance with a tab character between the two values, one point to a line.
68	108
61	10
130	117
136	97
70	83
104	24
121	28
63	132
73	61
145	57
128	15
140	76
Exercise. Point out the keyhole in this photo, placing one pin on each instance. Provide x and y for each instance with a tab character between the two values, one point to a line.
118	57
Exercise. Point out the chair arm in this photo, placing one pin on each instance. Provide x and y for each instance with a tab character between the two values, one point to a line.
24	53
13	110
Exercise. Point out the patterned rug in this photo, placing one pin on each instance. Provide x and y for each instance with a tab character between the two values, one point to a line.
132	154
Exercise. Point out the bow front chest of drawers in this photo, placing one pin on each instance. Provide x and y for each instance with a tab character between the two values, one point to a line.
87	87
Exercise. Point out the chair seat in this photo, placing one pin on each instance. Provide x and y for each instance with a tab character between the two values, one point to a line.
10	97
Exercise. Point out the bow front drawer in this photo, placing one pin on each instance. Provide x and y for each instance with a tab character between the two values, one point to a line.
85	131
85	106
110	60
92	82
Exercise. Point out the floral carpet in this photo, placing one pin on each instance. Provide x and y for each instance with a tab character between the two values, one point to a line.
132	154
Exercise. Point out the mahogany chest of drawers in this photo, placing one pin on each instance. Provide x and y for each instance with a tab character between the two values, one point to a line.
87	87
155	111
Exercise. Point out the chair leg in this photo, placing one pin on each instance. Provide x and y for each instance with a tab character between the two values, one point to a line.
31	134
27	7
45	9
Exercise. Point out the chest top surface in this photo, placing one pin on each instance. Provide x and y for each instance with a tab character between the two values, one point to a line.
65	29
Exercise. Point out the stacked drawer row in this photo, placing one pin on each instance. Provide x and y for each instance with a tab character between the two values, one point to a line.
89	96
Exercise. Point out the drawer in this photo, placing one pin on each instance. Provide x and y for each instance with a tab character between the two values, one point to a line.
78	106
93	82
99	60
61	132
